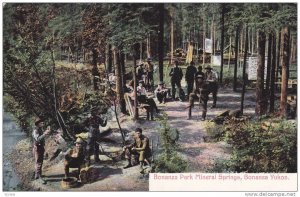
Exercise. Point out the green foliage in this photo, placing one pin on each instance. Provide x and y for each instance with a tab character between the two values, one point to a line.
257	148
169	161
214	132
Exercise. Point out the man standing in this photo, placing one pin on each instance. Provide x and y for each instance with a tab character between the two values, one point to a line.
190	77
140	72
211	79
149	70
176	76
92	124
200	93
139	147
39	146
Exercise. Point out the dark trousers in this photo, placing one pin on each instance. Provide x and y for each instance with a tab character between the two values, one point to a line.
214	91
71	162
190	86
38	152
177	83
92	148
150	78
161	96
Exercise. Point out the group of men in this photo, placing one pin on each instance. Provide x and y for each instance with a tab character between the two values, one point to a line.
80	154
73	157
205	83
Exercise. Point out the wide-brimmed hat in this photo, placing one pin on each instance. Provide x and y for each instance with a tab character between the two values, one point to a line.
79	141
208	67
141	81
38	120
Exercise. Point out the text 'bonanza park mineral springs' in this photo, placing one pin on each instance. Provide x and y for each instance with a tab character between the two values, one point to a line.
113	96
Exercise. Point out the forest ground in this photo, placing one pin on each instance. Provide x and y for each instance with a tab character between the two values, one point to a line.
201	155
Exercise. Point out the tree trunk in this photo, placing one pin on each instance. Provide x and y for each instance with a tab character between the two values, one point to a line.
148	46
244	72
108	58
236	59
212	33
229	54
141	51
95	72
269	65
260	99
273	70
222	42
172	38
285	65
123	69
161	42
252	41
204	27
278	56
136	111
119	87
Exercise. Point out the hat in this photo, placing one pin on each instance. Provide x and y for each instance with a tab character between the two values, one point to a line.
138	130
141	81
200	76
149	60
79	141
208	67
161	83
37	121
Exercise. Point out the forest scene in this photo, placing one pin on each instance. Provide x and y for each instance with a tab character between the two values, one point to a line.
98	95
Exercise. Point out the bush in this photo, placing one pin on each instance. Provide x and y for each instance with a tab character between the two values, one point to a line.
266	146
169	161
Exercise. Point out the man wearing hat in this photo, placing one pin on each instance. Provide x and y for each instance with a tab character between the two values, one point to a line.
161	92
211	78
140	72
92	125
149	67
39	146
176	76
74	158
200	93
142	98
190	77
139	147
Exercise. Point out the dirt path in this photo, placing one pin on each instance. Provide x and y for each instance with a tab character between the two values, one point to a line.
202	155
